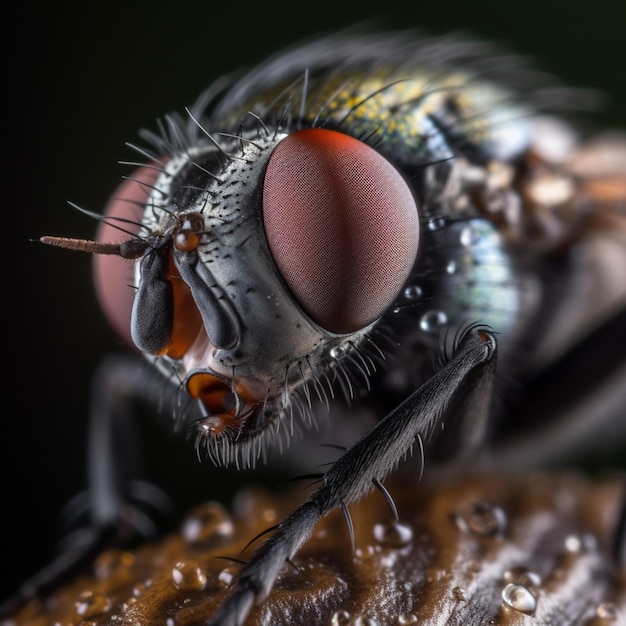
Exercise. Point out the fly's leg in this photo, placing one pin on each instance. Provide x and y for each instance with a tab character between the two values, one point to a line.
116	498
467	376
117	493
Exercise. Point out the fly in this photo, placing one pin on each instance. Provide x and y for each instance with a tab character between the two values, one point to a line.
406	225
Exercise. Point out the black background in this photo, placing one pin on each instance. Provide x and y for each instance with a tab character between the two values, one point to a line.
82	78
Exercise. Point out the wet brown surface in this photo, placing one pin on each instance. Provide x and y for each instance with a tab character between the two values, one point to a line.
526	550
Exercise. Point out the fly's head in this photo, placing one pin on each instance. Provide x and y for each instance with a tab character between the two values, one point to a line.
257	264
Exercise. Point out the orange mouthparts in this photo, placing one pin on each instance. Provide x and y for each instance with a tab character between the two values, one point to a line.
226	405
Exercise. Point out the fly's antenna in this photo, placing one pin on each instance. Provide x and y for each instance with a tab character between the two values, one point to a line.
131	249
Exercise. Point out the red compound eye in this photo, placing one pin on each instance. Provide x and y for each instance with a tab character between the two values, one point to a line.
342	226
114	275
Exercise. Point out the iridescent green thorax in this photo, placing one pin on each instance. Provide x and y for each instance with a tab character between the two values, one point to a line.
414	114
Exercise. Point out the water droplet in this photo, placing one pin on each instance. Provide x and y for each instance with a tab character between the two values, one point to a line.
607	611
187	576
365	620
340	618
407	618
129	602
432	321
91	604
393	534
469	236
226	577
451	267
519	597
337	352
139	589
579	544
481	518
365	554
459	594
573	543
254	504
522	576
207	522
114	565
436	223
412	292
170	621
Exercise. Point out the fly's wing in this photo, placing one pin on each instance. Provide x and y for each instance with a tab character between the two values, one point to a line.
578	394
595	290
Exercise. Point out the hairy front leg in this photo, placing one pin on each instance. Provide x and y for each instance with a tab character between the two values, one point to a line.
468	375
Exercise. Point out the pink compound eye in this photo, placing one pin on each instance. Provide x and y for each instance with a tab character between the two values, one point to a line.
113	275
342	226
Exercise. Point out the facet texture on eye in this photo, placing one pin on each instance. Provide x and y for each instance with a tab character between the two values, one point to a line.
342	225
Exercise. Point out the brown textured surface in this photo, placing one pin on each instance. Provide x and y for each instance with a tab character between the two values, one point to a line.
457	548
